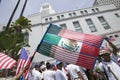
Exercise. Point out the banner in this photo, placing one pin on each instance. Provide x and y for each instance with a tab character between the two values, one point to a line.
70	46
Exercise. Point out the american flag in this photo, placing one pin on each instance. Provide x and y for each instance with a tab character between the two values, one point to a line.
24	60
6	62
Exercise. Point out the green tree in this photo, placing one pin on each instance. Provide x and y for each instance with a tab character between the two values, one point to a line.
12	40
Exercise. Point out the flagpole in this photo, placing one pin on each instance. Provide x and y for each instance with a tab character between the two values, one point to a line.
33	56
12	15
21	14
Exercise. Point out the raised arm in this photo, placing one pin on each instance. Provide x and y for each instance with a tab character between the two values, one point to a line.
115	49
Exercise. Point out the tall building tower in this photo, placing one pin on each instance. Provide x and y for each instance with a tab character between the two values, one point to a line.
106	2
46	9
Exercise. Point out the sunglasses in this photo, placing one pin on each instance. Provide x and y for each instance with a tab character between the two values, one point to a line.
106	54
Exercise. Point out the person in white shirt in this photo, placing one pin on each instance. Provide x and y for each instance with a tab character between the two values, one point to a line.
115	53
109	67
36	74
60	75
74	72
49	74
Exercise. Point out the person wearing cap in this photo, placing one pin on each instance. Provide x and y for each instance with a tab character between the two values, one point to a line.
108	67
60	75
115	52
42	68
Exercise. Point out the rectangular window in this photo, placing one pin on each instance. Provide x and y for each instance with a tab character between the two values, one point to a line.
86	11
62	16
93	10
77	26
104	22
58	17
116	35
82	12
70	14
63	26
46	19
97	9
26	39
45	6
50	18
117	15
74	14
91	25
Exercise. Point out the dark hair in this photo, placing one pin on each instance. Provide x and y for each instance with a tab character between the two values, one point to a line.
36	66
48	65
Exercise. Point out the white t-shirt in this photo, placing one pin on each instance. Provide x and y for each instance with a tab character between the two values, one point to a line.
36	74
72	70
49	75
83	73
60	75
103	66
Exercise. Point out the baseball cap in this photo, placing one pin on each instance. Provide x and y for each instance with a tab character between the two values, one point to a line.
42	67
104	52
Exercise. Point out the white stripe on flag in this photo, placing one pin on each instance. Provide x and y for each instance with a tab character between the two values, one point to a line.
6	61
20	65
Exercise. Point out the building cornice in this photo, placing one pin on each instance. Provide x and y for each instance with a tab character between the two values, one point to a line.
85	15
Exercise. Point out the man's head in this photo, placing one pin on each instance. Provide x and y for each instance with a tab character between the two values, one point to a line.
105	55
48	65
42	68
59	64
37	67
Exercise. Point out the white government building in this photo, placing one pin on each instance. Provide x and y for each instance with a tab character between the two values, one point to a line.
103	18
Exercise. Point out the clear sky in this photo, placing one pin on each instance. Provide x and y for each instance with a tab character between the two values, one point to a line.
33	6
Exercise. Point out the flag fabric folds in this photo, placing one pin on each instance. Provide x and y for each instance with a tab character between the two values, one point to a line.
23	60
6	62
70	46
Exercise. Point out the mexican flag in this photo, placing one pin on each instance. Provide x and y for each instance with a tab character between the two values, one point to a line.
70	46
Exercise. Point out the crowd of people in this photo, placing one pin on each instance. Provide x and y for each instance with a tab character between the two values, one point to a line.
107	67
58	71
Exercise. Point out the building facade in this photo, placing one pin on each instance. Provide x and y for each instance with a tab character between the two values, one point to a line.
107	2
98	20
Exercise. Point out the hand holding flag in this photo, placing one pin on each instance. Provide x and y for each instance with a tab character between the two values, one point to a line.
23	63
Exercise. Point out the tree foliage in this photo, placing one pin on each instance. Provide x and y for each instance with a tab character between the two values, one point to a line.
12	40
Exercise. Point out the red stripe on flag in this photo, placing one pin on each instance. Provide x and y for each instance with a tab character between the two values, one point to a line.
6	62
71	35
90	50
86	61
20	66
65	55
27	72
87	38
73	57
93	39
22	62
